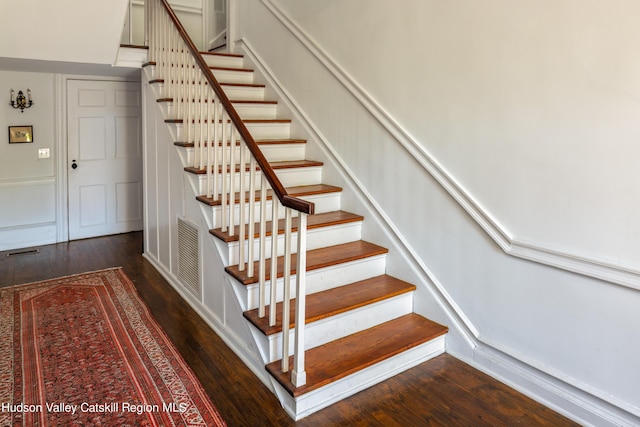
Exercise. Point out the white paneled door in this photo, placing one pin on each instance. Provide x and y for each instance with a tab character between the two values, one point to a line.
104	158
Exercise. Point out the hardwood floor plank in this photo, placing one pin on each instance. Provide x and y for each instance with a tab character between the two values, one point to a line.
441	392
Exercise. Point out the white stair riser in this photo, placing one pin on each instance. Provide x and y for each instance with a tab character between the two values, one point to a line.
244	93
273	152
316	238
257	130
149	72
256	111
230	76
323	278
325	396
246	111
323	203
223	61
241	93
288	177
342	325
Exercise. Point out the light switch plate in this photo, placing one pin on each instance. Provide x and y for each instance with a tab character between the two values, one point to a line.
44	153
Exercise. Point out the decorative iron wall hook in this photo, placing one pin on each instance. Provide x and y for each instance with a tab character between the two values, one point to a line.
21	101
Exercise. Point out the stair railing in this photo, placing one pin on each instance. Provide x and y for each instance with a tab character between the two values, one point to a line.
215	128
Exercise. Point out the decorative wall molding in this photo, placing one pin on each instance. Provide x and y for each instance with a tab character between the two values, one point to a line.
8	183
595	268
554	391
571	398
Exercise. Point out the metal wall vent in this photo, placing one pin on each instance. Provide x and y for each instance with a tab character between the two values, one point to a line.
189	257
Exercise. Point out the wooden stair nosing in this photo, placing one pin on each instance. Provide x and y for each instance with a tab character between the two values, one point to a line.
253	101
298	191
281	141
316	259
314	221
334	301
247	121
243	70
338	359
287	164
237	101
232	55
251	85
255	85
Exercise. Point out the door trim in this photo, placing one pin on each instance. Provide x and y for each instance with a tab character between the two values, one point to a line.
62	134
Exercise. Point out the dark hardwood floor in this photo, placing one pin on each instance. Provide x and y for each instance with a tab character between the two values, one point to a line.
441	392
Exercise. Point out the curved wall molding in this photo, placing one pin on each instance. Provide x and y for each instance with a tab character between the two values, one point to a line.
575	263
567	395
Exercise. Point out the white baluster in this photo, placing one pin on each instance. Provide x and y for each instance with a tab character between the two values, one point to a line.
223	171
263	246
286	300
232	177
299	375
274	259
252	214
210	105
216	157
243	195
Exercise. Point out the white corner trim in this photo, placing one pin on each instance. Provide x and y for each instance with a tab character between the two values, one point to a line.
544	255
60	125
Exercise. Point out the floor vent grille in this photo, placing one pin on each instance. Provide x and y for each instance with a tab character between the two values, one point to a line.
189	257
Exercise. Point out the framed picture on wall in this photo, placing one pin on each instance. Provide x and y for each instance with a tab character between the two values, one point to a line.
18	134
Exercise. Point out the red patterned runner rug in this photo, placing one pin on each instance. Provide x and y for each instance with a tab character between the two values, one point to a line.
84	350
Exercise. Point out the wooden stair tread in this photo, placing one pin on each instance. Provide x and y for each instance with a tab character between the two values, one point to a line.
252	85
335	301
298	191
258	85
243	70
248	121
234	101
338	359
288	164
325	219
233	55
258	141
316	259
252	101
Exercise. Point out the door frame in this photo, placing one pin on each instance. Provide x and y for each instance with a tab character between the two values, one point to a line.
62	142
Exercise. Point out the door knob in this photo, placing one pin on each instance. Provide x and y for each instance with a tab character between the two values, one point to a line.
74	165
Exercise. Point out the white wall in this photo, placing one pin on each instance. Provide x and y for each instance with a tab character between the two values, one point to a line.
527	112
533	107
32	190
27	184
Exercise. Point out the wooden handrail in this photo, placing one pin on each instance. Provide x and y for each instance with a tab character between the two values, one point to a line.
286	200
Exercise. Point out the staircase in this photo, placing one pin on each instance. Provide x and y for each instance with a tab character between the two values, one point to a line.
360	325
